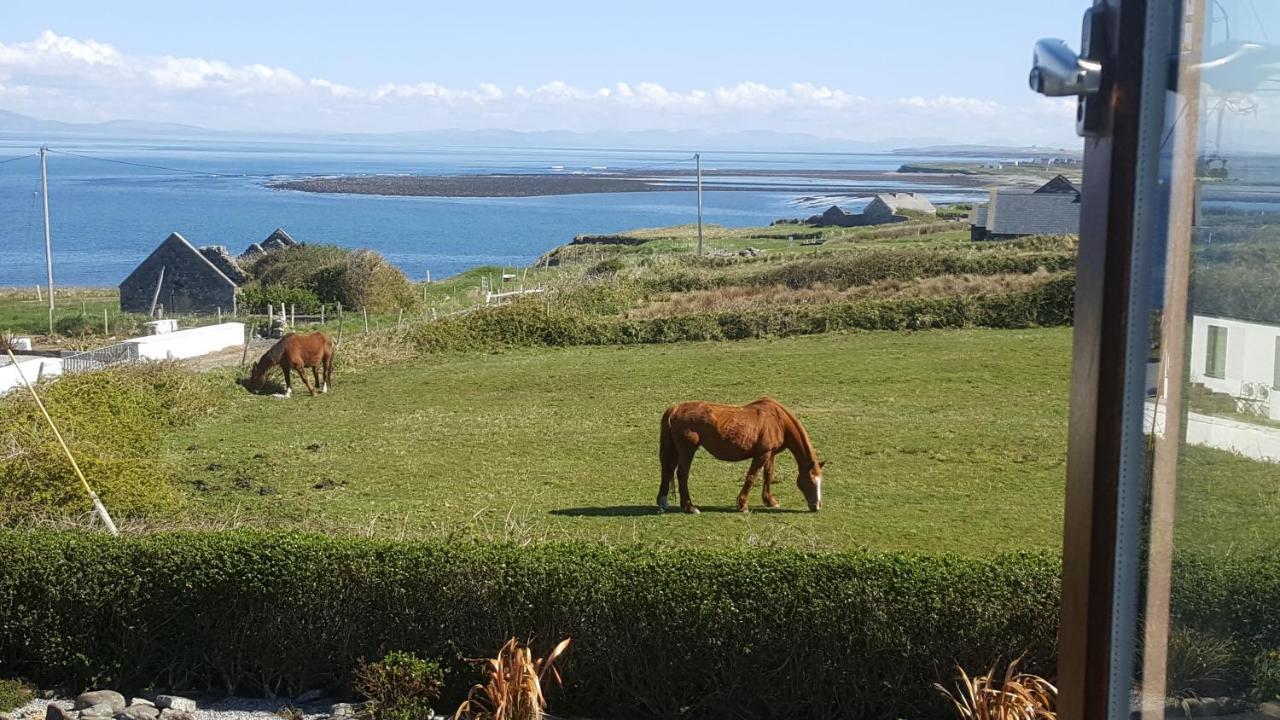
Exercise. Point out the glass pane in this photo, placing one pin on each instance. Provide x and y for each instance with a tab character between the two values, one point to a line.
1211	609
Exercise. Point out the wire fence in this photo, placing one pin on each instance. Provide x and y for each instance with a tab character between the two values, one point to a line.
100	358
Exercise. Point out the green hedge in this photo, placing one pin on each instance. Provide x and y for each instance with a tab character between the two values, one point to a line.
699	633
763	633
536	324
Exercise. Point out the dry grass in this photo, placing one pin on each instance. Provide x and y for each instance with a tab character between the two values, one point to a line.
513	690
1018	696
744	297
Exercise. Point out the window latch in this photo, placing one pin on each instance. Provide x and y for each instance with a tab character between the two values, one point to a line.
1057	71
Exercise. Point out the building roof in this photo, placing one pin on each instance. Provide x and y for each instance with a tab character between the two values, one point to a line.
907	201
978	218
1059	184
1011	212
175	241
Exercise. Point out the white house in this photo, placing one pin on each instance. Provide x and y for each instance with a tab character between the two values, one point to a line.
1241	359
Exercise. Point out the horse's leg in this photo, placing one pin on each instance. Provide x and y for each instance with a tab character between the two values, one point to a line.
302	373
756	463
315	373
288	381
682	473
328	370
767	496
669	458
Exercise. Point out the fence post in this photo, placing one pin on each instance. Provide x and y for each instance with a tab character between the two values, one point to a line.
106	328
400	319
322	313
271	316
293	315
219	314
365	311
39	296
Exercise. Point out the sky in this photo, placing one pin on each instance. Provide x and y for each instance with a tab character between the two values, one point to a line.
852	69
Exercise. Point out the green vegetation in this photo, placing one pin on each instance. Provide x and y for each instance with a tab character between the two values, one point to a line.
114	422
704	633
14	694
400	686
1266	675
945	440
312	274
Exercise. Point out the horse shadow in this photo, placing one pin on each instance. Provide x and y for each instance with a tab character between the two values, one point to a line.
644	510
270	387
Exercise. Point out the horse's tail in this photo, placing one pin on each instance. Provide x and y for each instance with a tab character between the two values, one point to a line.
668	455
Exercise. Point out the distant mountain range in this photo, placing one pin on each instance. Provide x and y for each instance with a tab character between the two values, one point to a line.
687	140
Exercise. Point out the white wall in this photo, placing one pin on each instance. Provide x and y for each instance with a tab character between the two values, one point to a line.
1251	356
32	368
1259	442
189	343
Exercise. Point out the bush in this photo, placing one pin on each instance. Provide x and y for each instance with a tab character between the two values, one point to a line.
701	633
256	298
1199	663
76	326
112	420
14	694
400	686
359	279
1266	675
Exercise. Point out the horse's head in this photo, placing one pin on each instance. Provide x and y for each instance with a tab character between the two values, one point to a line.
810	483
258	378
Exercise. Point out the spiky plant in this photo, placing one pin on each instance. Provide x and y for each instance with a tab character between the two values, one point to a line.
513	689
1018	696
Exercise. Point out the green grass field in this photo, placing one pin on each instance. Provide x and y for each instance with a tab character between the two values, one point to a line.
937	441
929	436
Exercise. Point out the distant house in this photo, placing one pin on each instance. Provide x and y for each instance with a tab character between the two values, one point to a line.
1051	209
182	279
1238	358
883	209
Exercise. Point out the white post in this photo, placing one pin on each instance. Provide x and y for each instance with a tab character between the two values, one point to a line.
106	328
39	295
365	311
219	314
48	247
321	313
293	315
698	158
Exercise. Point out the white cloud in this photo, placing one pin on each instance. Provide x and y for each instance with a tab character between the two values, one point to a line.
37	77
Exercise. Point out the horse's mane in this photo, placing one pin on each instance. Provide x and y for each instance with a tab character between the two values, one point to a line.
790	417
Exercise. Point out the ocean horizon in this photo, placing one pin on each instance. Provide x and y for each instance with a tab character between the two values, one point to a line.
112	200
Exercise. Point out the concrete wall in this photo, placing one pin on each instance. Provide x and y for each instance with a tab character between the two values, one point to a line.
189	343
1251	358
1258	442
32	367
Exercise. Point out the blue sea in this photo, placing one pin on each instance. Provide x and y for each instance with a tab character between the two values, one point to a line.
106	215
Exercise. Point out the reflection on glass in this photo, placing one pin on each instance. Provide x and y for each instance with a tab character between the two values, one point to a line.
1210	644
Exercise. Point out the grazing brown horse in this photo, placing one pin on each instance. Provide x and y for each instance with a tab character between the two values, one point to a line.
297	352
758	430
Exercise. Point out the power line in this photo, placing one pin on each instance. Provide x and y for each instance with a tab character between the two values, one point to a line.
149	166
24	157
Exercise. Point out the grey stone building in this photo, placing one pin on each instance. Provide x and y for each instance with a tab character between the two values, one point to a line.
1052	209
190	280
883	209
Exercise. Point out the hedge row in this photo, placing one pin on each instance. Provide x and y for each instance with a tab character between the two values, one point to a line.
534	324
698	633
863	267
720	634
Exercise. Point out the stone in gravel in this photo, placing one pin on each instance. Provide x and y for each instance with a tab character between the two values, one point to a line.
308	697
1270	709
101	697
172	714
175	702
139	712
55	712
101	711
343	710
141	701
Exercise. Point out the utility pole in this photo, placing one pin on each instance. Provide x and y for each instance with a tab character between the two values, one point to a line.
698	158
48	250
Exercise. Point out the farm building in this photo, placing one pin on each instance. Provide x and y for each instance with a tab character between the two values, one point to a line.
882	209
182	279
1051	209
1238	358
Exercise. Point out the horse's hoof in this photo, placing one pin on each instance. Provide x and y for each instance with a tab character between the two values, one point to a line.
692	510
663	505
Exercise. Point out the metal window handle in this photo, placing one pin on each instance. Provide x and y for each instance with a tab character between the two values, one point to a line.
1057	71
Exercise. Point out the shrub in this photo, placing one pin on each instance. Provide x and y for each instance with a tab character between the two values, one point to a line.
329	274
400	686
1199	663
112	420
76	326
14	694
256	298
1266	675
701	633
